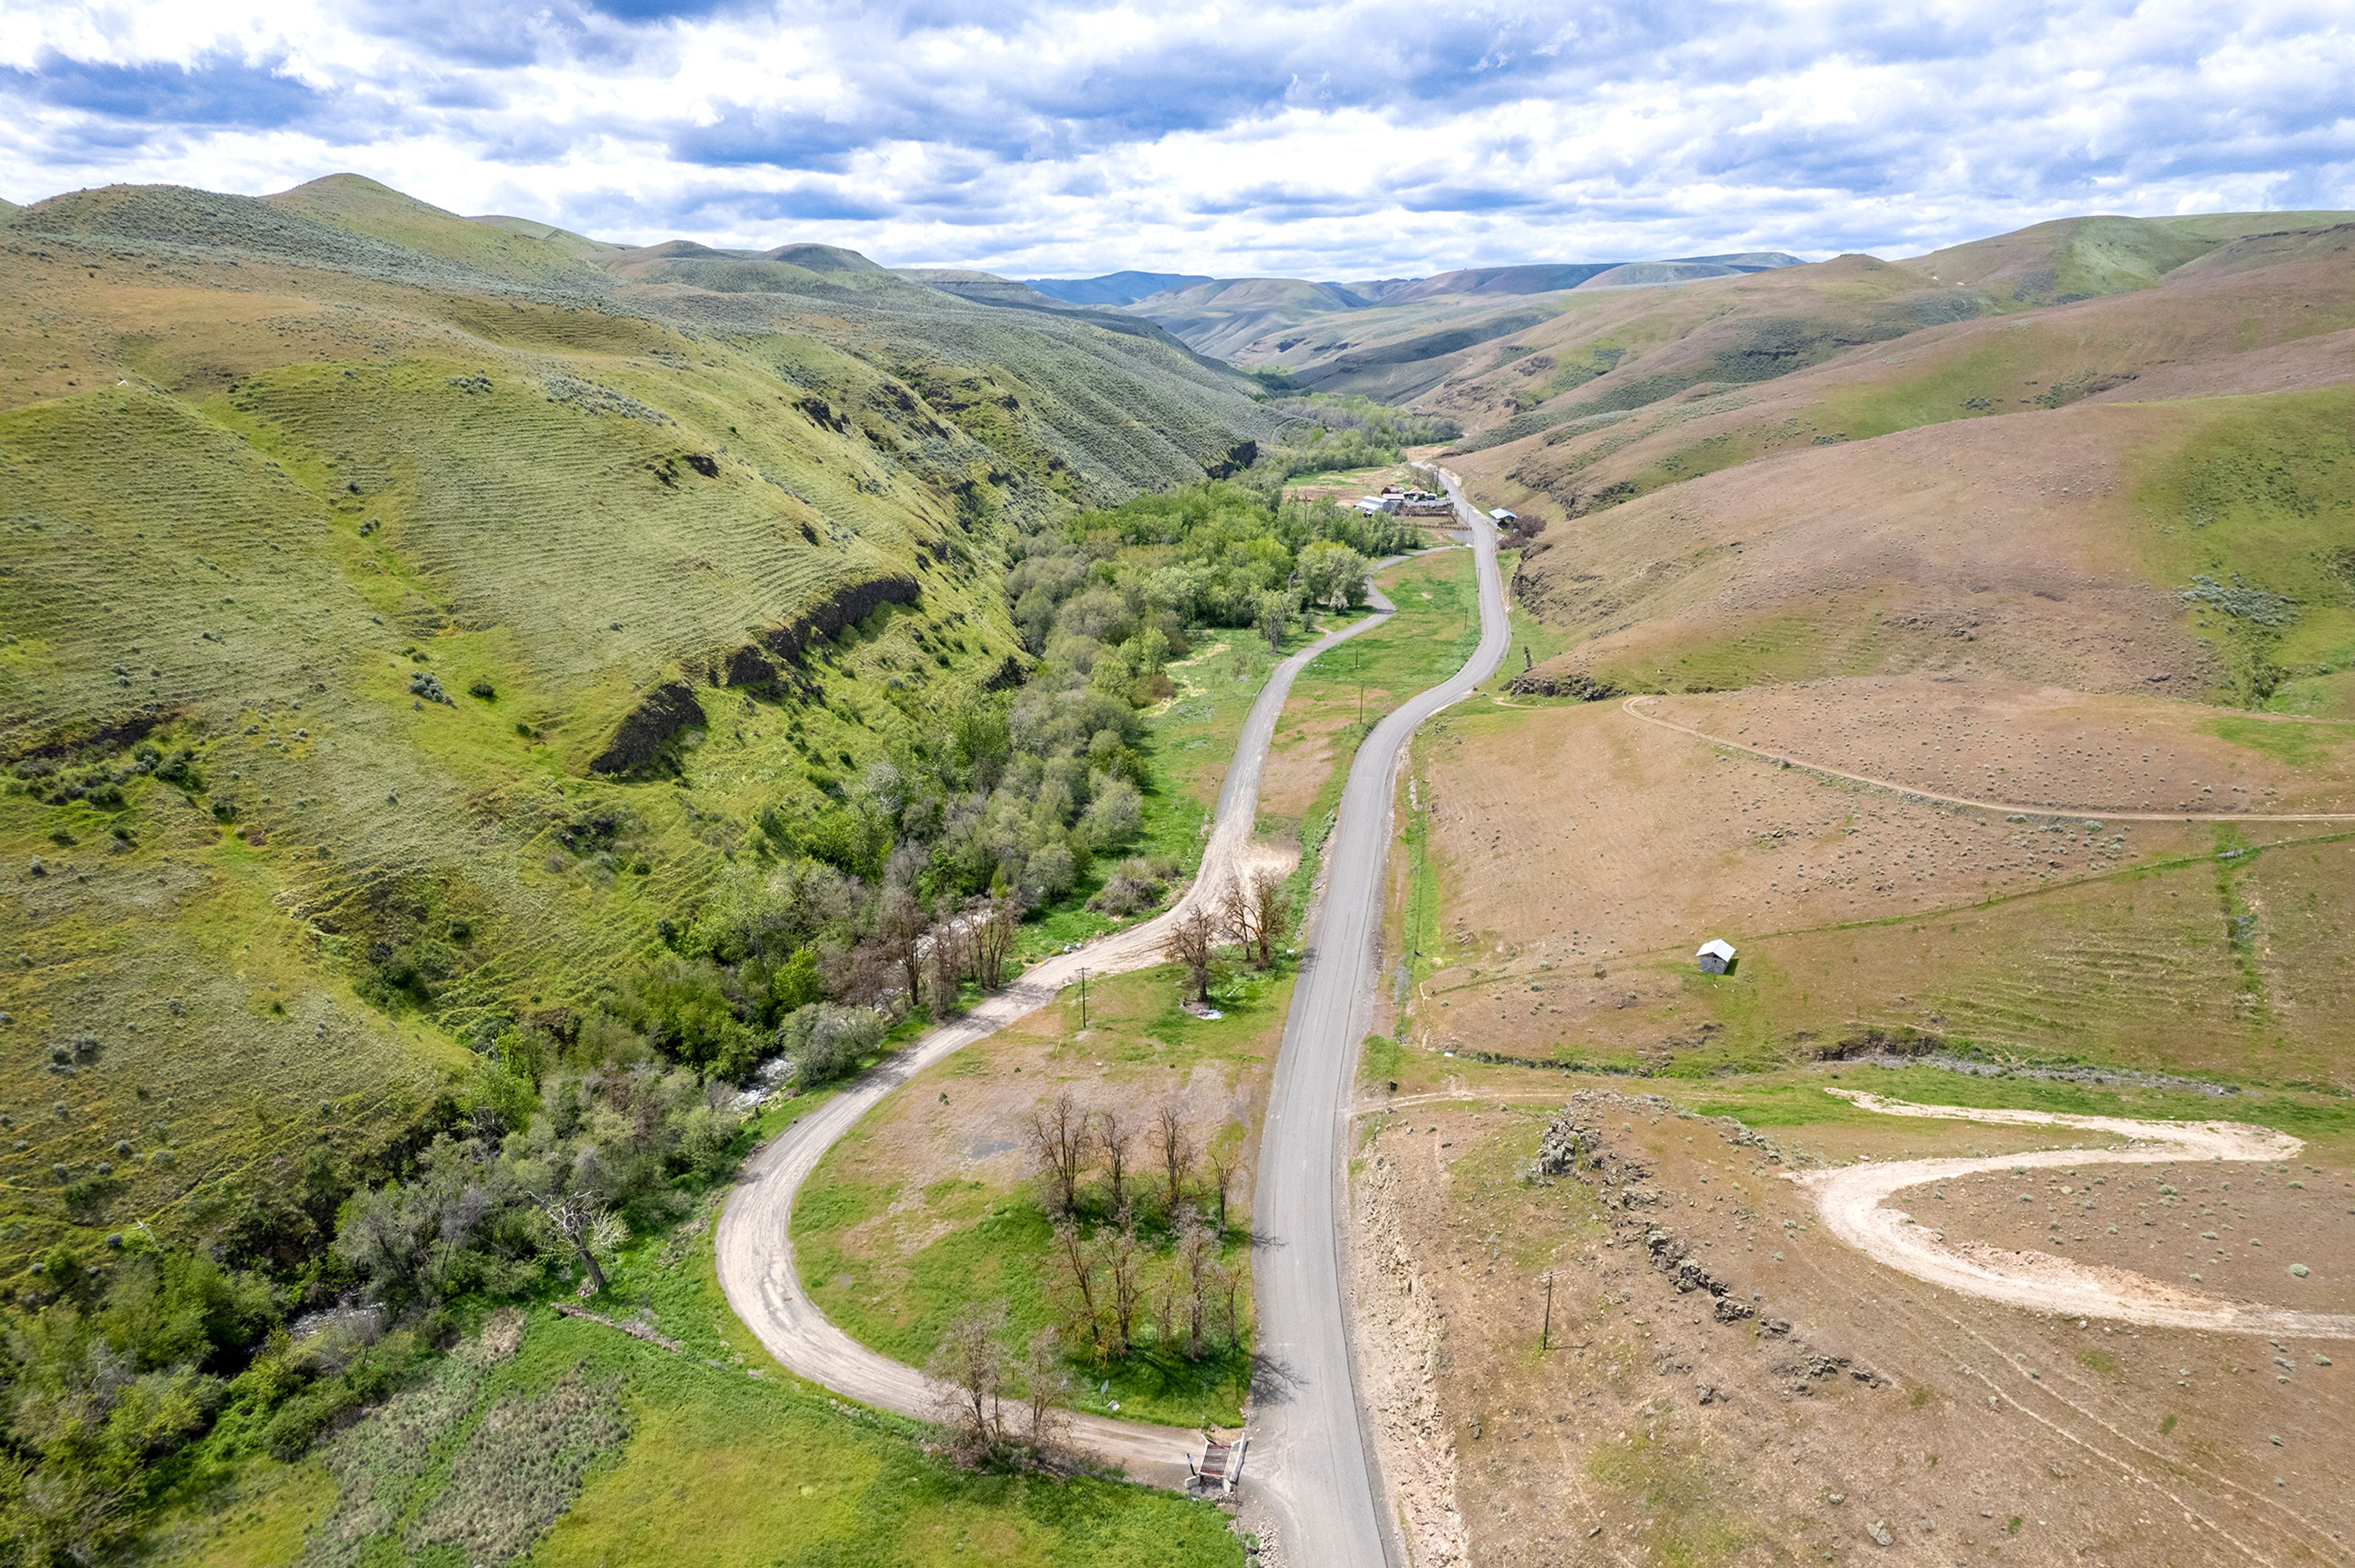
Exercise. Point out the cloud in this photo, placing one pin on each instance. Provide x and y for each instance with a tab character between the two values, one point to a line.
1320	137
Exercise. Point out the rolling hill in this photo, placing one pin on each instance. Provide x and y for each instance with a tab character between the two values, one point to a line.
2144	489
382	587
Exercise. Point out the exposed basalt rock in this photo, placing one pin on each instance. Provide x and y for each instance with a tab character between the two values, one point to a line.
667	710
757	662
1572	684
1240	456
1010	672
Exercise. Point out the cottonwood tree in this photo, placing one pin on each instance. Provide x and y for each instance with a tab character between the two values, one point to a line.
1198	1255
1224	1158
1058	1142
1123	1259
1270	909
1272	614
944	954
969	1372
1080	1263
1193	942
990	922
1046	1392
1174	1145
587	1224
1115	1137
900	929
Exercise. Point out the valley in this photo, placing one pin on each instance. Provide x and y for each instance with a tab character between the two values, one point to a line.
561	795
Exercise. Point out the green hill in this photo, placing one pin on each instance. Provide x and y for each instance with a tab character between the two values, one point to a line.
359	558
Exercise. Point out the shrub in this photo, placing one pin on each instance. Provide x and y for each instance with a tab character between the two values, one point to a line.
824	1042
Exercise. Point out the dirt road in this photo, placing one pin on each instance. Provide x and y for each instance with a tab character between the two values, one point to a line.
1309	1448
1850	1200
754	1239
1637	707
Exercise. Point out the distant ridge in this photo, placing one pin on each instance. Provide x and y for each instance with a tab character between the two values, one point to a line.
1113	288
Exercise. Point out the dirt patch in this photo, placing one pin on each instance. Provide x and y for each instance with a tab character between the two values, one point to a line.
2039	746
2238	1233
1854	1403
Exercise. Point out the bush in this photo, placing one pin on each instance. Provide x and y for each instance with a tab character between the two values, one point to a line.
824	1041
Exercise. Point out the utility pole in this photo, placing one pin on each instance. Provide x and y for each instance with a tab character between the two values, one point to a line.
1361	688
1083	999
1545	1335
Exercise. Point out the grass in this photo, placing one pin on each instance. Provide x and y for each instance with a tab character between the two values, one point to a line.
892	1266
726	1459
278	492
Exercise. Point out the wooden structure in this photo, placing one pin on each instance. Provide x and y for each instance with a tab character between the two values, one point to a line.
1221	1466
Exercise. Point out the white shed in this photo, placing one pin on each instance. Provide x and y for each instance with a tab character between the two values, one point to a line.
1503	517
1715	957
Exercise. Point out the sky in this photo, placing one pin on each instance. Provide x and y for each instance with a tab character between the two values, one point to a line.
1351	139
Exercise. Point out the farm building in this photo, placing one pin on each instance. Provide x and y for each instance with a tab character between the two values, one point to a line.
1503	518
1715	957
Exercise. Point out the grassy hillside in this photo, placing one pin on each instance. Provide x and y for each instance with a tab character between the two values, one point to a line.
2256	319
343	535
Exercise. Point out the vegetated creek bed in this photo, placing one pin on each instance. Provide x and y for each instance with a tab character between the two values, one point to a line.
2232	1231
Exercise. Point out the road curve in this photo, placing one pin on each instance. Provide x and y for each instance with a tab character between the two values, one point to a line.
1853	1198
1311	1456
755	1244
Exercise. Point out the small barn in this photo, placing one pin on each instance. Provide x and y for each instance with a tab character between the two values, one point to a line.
1503	518
1715	957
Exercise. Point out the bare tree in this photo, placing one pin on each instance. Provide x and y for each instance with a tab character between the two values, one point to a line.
1080	1262
1198	1255
1224	1158
991	922
1224	1284
1122	1257
1175	1148
1116	1138
583	1222
1059	1140
944	954
1046	1389
899	933
969	1368
1271	911
1193	941
1236	911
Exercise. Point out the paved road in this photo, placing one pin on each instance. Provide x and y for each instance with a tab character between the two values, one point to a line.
1311	1456
754	1245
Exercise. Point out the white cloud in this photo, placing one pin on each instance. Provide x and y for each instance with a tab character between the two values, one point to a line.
1355	138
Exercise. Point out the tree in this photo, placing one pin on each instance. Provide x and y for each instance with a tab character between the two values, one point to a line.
989	924
945	951
969	1370
1271	612
1058	1141
1270	910
1046	1389
1198	1254
1123	1256
1193	942
1224	1157
581	1220
1116	1138
1333	574
899	933
1176	1146
1080	1262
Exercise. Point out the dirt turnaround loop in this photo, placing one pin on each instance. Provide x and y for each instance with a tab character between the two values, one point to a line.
1850	1200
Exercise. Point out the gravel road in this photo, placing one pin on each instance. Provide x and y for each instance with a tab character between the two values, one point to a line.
1311	1459
754	1246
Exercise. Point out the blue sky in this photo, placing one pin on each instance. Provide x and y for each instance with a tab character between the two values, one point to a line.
1361	138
